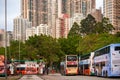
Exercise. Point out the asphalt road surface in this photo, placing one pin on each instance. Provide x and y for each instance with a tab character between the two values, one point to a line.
30	77
60	77
77	77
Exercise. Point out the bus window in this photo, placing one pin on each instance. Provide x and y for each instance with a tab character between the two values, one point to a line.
71	65
117	48
71	58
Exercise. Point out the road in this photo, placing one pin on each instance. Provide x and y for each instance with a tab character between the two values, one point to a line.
30	77
77	77
59	77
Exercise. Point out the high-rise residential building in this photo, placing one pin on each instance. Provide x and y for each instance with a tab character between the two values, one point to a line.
50	11
2	38
80	6
9	37
111	10
20	25
62	26
97	14
77	18
41	29
35	11
30	32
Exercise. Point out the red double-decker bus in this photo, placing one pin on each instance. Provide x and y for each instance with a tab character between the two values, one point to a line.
2	66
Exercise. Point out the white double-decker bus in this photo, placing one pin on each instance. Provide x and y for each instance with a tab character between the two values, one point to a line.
86	64
70	65
107	60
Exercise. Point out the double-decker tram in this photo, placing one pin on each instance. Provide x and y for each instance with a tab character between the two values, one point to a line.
70	65
107	61
85	64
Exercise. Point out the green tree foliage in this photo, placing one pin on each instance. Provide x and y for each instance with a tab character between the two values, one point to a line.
75	30
14	49
117	34
29	53
92	42
2	50
104	26
69	45
88	25
45	47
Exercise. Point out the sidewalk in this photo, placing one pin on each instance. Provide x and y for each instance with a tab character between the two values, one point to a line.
10	78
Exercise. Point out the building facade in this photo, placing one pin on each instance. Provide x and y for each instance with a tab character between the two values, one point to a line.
30	32
50	11
111	10
63	26
97	14
8	38
41	29
36	11
80	6
19	28
2	38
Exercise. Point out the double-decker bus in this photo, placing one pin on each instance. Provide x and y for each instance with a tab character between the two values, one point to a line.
2	66
20	69
70	65
85	64
107	60
29	67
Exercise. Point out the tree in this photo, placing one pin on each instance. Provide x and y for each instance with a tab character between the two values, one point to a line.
117	34
104	26
2	50
45	47
88	25
75	30
14	47
69	45
92	42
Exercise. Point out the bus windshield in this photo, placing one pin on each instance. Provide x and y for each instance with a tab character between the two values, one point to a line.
71	58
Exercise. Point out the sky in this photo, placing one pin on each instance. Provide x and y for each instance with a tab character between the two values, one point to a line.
13	10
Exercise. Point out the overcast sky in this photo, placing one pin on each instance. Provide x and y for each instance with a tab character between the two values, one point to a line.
13	10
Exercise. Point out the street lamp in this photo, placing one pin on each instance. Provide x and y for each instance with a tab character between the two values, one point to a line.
6	39
19	38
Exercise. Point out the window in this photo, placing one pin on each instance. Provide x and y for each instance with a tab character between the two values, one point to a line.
86	56
71	58
71	65
103	51
117	48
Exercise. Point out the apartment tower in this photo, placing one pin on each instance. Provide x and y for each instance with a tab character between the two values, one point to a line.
35	11
19	28
80	6
111	10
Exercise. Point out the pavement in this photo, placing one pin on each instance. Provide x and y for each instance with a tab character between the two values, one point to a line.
30	77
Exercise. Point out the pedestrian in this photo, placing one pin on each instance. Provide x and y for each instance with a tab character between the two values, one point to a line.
47	70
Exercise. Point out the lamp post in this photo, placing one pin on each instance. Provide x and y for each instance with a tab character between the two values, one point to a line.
19	38
6	39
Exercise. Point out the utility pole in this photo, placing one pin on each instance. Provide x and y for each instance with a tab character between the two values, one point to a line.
6	39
